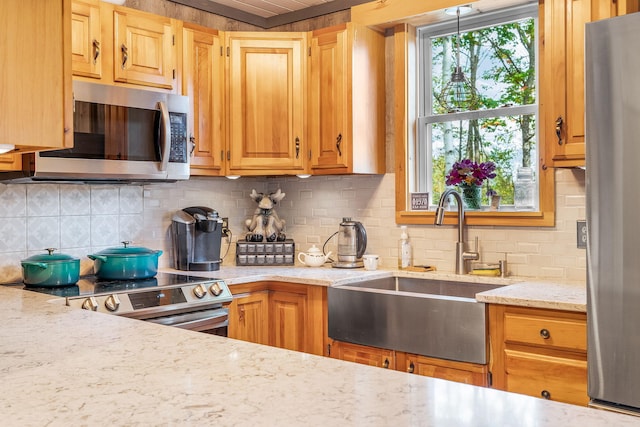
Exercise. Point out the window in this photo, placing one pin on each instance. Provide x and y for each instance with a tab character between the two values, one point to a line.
489	114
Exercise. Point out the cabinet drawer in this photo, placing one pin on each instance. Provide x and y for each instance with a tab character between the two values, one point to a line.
556	378
568	333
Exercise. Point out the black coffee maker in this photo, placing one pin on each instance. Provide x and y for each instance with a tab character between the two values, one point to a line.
197	236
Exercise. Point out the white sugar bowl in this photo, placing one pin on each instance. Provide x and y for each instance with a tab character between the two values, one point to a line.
313	257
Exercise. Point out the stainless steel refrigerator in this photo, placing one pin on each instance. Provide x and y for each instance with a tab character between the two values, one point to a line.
612	72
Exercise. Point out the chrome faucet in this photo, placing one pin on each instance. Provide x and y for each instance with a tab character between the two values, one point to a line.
461	254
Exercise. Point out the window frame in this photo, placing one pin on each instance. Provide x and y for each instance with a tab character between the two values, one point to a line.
407	110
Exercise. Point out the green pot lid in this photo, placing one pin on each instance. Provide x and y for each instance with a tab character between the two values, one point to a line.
128	250
50	257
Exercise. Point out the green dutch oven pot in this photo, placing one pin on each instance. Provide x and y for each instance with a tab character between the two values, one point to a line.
48	270
126	263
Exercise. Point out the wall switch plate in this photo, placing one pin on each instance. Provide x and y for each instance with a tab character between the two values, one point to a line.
582	234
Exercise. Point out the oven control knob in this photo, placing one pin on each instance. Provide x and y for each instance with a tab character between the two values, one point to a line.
90	304
215	289
112	303
200	291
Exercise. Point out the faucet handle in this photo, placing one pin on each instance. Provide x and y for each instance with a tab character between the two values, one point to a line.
476	245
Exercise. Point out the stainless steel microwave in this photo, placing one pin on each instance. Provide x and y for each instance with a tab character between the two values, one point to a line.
120	134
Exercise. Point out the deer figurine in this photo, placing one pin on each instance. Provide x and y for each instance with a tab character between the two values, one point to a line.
265	224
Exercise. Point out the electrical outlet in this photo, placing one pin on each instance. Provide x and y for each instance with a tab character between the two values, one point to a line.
582	234
225	229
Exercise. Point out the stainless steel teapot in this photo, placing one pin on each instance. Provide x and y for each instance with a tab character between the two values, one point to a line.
352	242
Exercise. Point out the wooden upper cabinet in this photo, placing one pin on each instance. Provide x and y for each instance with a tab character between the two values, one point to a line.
562	73
143	49
86	39
266	78
203	83
35	74
347	101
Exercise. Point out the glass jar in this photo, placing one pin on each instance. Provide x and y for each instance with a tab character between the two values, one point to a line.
524	190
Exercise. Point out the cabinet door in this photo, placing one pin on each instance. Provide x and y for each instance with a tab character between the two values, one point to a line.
365	355
562	79
203	83
35	74
539	352
266	103
248	318
347	100
143	49
288	314
468	373
328	99
10	162
86	40
551	377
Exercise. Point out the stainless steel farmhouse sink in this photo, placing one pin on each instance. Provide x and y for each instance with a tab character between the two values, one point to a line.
431	317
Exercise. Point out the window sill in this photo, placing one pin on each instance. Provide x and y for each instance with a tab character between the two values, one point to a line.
484	218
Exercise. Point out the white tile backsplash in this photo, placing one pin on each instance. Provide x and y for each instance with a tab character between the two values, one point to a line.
313	208
104	231
75	231
43	200
13	201
105	200
131	199
14	234
75	200
43	232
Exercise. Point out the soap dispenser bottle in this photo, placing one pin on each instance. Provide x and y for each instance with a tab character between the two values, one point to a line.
404	249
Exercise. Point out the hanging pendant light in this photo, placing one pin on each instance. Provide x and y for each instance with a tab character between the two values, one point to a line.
458	94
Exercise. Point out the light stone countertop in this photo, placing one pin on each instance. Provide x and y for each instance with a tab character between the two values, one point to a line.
67	367
570	296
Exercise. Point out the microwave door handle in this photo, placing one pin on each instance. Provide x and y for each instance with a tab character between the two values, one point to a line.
165	136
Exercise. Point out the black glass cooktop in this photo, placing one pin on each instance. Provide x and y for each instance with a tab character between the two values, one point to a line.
91	285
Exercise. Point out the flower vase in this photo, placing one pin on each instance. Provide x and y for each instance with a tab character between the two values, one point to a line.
471	196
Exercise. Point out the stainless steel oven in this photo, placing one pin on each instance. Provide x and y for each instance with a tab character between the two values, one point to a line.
177	300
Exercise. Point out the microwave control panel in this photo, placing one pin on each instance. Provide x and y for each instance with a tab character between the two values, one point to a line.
179	152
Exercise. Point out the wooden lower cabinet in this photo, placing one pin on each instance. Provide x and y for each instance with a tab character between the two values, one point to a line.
363	354
284	315
539	352
249	316
468	373
461	372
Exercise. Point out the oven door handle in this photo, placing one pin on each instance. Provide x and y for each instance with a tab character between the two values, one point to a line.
165	136
195	321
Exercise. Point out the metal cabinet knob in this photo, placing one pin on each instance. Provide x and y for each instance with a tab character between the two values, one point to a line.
411	368
385	364
545	334
545	394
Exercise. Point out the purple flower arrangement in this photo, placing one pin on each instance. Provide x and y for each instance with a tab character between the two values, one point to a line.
468	172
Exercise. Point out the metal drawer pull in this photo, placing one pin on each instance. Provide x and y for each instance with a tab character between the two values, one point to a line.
545	334
545	394
385	365
411	368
